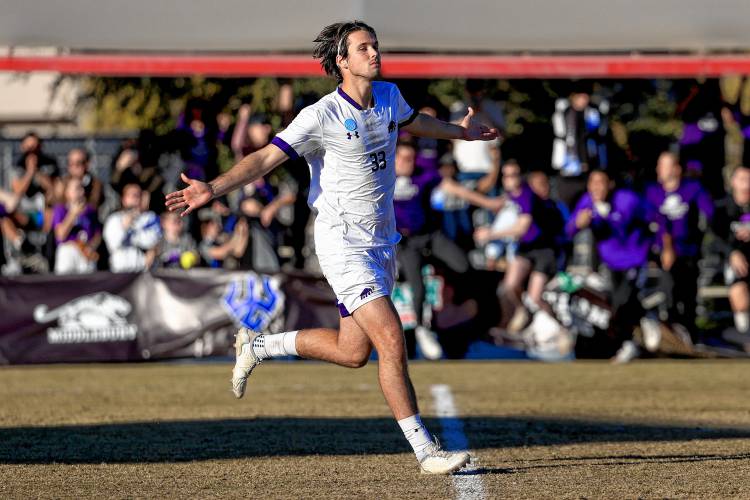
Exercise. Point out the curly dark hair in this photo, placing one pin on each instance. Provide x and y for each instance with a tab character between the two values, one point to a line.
332	42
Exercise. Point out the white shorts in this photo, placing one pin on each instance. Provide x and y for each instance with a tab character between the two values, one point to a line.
359	276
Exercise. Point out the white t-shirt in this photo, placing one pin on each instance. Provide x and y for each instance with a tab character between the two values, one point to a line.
351	154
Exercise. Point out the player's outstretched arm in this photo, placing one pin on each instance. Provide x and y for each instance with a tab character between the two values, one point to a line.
250	168
468	130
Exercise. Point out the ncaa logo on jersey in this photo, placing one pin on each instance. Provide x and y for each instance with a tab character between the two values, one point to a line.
351	125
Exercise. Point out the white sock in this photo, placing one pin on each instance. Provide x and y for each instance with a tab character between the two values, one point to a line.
276	345
742	321
417	435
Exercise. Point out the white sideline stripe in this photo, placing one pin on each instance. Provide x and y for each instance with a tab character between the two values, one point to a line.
468	487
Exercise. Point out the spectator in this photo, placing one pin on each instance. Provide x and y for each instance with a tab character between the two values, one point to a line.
579	145
251	132
220	249
732	229
619	223
534	257
177	249
34	214
132	233
137	163
556	214
478	161
77	231
420	234
686	210
78	168
702	142
261	203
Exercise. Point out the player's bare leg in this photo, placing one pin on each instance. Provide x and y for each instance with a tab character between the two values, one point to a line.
379	320
348	346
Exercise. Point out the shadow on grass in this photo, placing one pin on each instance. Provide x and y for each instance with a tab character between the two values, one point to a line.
180	441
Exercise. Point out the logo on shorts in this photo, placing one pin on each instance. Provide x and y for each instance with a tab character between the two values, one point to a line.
365	293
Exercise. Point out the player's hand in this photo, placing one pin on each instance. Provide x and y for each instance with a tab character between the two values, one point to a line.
195	195
475	131
583	219
738	262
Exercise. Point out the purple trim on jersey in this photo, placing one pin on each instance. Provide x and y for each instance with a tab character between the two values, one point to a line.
351	101
411	118
621	243
286	148
343	311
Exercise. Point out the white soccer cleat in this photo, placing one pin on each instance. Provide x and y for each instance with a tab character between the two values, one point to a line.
246	360
439	461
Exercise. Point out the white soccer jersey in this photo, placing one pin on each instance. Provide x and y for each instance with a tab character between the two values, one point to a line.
351	154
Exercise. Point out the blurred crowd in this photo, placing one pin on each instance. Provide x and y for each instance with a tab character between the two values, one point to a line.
460	206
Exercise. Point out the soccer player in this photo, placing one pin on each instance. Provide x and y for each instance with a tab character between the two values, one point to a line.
348	139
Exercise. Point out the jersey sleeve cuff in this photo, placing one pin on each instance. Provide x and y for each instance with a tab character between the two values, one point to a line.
285	147
411	118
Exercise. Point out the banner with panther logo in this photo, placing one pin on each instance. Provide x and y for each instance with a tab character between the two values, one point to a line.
167	314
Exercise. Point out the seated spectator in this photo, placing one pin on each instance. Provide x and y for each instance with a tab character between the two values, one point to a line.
251	132
177	249
220	249
420	234
686	210
78	168
619	222
132	233
534	257
77	231
556	214
732	228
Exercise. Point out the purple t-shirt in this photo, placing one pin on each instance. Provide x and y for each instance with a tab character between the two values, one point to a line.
411	201
679	213
85	227
3	211
622	236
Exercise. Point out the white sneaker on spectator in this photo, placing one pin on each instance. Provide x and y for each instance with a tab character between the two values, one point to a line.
428	343
651	330
628	352
519	321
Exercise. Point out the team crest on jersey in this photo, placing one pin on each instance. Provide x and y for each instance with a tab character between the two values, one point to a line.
350	124
391	126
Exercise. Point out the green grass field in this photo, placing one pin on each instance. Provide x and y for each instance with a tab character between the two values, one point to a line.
650	429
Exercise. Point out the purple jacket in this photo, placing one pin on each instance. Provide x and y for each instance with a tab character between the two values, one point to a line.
622	236
679	213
